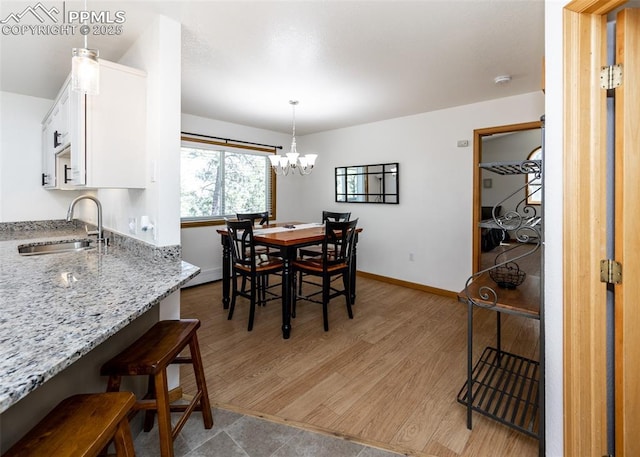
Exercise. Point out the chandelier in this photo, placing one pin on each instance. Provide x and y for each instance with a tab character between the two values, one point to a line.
282	165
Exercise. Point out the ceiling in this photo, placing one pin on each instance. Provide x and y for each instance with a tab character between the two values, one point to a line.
347	62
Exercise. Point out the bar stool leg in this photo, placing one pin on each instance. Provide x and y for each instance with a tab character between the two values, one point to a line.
164	414
198	369
123	441
150	414
113	384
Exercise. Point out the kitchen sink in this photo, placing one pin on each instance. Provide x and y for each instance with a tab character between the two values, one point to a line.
55	247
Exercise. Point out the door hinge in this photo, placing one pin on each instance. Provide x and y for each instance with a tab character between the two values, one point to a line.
611	76
610	271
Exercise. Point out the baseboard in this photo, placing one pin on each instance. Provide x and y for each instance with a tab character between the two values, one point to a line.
409	285
215	274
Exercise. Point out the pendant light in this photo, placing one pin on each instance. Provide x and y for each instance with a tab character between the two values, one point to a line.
85	68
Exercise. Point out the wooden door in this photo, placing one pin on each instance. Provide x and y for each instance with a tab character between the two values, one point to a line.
585	406
627	236
584	232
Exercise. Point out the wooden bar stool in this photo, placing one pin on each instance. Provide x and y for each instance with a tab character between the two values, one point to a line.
150	355
81	426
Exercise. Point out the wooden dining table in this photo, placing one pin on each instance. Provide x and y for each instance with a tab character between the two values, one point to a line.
286	237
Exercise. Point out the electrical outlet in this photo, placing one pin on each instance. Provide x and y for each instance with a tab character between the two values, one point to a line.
133	226
463	143
411	258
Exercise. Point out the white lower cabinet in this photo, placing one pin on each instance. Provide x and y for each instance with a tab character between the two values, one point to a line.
106	142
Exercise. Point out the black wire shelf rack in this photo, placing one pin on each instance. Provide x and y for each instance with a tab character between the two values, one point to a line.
505	388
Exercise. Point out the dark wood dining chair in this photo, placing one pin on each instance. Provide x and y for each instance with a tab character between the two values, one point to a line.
335	217
334	261
313	251
262	218
316	251
253	267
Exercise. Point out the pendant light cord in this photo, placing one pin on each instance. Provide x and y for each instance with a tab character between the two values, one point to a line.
85	23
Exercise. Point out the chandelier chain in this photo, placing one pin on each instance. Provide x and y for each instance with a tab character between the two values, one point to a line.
293	108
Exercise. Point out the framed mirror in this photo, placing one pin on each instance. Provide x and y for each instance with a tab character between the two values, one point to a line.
368	184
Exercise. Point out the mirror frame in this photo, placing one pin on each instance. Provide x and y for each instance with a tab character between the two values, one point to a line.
362	178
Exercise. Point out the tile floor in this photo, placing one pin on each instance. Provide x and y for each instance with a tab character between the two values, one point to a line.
237	435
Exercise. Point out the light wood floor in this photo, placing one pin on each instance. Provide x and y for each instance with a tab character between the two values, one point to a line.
388	378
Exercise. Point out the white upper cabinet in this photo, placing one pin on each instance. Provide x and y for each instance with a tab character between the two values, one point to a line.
99	141
48	157
60	120
55	137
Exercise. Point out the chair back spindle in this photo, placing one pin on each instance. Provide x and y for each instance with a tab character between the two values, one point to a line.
262	217
338	243
243	249
335	217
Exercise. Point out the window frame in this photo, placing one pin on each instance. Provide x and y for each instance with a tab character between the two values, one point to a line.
200	143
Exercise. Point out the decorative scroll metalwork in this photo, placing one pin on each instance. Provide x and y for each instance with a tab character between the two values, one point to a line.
523	222
521	167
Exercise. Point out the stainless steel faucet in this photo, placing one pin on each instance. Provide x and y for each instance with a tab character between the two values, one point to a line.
98	204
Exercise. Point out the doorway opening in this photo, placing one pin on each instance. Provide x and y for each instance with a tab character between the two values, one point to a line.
502	143
507	206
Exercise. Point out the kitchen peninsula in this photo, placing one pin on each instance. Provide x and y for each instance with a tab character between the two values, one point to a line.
59	310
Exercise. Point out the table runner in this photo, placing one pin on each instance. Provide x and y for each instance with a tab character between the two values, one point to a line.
287	228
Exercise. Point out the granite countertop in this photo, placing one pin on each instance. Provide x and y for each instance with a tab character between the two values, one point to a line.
55	308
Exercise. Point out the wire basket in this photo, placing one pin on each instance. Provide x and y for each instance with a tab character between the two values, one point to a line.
508	276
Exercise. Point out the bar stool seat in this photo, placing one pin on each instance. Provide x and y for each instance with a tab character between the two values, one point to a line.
150	355
81	426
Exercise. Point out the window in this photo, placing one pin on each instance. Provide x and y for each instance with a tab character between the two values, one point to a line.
219	181
534	182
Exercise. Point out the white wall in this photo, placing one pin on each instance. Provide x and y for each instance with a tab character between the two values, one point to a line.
435	179
553	303
158	53
201	245
22	197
